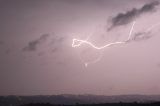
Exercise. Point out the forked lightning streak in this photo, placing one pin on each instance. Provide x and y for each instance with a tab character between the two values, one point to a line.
78	42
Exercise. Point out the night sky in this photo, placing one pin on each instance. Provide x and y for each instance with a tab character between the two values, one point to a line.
37	57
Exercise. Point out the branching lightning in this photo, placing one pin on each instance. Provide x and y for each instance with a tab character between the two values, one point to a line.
78	42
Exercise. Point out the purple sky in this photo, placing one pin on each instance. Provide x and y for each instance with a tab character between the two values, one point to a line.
36	56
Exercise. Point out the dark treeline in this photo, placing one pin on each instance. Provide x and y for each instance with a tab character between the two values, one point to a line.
104	104
86	100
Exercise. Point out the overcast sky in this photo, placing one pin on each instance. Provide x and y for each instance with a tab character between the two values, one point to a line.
37	57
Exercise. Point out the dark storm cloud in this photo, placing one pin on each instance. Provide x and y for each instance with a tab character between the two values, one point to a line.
57	43
142	36
57	39
129	16
54	42
32	45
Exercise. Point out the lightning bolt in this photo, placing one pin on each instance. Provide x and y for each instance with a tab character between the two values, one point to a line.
80	42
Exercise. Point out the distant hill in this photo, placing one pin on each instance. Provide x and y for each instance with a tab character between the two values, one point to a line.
76	99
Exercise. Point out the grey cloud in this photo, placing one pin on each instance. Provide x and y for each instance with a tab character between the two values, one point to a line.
57	42
57	39
129	16
142	36
54	42
32	45
149	7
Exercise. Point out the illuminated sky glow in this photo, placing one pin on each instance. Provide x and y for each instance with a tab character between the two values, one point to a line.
44	45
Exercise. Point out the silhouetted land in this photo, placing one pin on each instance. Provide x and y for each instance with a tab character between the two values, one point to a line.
104	104
81	100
